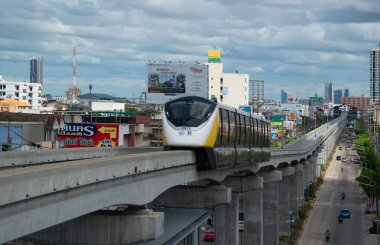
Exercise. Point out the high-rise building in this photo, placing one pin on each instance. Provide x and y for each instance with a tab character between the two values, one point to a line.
36	70
374	75
337	95
284	97
329	96
346	92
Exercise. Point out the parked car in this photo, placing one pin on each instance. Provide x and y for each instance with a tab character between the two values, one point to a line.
338	157
209	235
345	213
344	159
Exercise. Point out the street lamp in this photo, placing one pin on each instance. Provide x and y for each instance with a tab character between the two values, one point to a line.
90	87
282	134
362	164
374	190
8	145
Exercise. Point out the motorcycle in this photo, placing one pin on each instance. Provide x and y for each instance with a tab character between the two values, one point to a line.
327	235
340	220
343	196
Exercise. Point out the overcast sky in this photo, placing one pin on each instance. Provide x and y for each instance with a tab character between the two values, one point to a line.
296	45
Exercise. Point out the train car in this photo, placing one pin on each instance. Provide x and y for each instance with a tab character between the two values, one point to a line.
221	136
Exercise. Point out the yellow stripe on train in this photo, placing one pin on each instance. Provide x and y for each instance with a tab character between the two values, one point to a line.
210	142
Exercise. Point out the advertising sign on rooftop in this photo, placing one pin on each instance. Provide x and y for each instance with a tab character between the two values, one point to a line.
77	135
214	56
246	108
165	81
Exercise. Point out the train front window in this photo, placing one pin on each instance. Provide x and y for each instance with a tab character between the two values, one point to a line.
189	111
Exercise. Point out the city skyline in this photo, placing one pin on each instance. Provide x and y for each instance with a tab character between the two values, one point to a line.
316	43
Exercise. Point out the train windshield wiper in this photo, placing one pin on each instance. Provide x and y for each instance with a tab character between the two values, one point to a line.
192	116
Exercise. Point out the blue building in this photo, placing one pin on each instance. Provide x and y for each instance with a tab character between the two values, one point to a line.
36	70
284	97
346	92
329	90
337	96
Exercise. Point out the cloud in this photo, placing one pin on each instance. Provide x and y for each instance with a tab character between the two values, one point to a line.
292	42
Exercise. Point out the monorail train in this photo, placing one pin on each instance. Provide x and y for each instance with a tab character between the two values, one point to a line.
221	136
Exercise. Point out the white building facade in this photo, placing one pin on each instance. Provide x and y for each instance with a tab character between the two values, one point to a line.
30	93
228	88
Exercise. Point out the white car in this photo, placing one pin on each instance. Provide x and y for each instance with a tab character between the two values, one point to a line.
344	159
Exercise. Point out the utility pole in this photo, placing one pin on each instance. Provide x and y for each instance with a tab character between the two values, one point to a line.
90	87
8	145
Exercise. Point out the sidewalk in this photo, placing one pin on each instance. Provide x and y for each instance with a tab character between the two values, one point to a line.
371	239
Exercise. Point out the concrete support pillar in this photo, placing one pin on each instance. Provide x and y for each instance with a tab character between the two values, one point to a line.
306	181
296	190
284	199
250	190
318	165
226	222
252	207
272	180
312	171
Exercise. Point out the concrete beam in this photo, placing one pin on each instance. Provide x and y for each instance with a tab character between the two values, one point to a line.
194	197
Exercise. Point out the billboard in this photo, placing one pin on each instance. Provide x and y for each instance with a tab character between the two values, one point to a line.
165	81
76	135
292	99
246	108
214	56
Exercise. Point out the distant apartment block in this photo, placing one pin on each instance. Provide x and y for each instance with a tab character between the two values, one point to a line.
23	91
374	75
361	103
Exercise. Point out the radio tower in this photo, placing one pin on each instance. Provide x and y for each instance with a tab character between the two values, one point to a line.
73	92
74	59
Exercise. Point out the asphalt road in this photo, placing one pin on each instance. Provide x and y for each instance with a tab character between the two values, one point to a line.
328	203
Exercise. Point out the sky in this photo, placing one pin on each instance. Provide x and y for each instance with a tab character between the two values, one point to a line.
294	45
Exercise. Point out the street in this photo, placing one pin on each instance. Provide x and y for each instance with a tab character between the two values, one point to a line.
328	204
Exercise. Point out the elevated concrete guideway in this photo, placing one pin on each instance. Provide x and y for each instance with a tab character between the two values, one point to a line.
70	189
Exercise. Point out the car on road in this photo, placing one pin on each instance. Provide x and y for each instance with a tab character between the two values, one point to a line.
338	157
344	159
345	213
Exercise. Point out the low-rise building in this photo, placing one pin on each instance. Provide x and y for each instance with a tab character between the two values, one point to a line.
26	92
